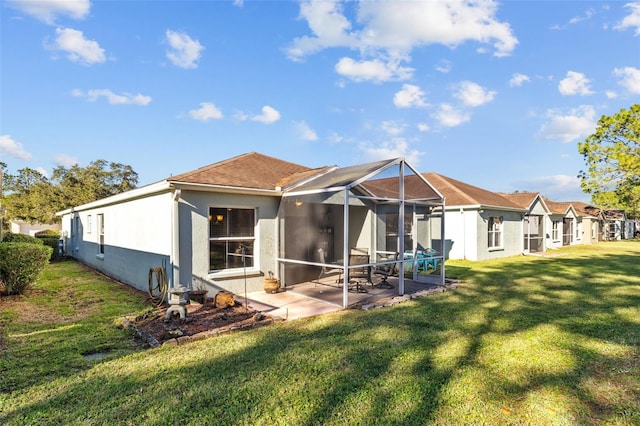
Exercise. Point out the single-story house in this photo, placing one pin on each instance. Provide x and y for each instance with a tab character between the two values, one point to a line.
614	224
563	222
28	228
479	224
535	223
227	225
589	219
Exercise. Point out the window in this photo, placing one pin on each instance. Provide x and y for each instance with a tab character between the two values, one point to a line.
101	234
555	230
495	231
89	224
391	232
231	238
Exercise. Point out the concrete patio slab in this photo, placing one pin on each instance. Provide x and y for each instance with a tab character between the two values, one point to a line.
289	305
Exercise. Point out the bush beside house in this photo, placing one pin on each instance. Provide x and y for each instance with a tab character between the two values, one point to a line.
21	263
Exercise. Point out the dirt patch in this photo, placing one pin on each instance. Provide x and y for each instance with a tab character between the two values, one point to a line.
200	318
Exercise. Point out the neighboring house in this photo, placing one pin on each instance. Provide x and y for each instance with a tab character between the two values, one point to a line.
479	224
224	226
563	222
22	227
536	231
629	229
589	219
614	224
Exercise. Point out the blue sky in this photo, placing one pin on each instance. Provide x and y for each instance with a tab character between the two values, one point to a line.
496	94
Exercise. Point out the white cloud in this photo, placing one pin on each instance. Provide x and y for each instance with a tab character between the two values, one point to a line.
392	128
472	94
632	20
65	160
610	94
402	26
409	96
423	127
269	115
328	25
207	111
557	187
387	32
335	138
448	116
375	70
43	171
13	148
577	123
518	80
305	131
113	98
587	15
48	10
77	48
630	79
238	3
184	52
240	116
444	66
575	83
394	148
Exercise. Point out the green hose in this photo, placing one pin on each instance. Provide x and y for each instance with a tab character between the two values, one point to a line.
157	285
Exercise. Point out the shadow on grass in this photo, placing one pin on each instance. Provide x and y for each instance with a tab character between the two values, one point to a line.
520	335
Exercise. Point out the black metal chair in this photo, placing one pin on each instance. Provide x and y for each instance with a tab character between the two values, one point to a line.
360	276
385	270
325	270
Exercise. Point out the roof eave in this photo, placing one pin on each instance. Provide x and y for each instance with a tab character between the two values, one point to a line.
204	187
144	191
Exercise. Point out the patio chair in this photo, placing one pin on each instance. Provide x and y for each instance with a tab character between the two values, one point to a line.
326	271
358	277
359	250
385	270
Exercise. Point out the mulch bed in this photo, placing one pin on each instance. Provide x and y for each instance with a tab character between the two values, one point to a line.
201	319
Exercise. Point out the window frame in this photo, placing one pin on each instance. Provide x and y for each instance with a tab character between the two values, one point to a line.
555	230
494	234
213	210
100	234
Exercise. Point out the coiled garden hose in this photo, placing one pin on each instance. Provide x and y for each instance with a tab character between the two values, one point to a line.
157	285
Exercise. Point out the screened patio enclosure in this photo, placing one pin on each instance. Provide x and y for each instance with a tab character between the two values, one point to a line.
380	210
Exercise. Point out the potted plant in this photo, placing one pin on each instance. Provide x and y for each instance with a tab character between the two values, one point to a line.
198	295
271	284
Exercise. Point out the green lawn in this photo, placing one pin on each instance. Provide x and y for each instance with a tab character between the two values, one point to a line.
524	340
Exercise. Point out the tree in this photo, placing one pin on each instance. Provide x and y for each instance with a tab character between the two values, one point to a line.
612	156
30	196
79	185
27	196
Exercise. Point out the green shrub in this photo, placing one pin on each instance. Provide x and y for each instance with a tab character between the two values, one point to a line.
53	243
20	238
48	233
20	265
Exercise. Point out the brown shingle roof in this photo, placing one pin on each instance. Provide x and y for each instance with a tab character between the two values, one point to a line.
251	170
557	207
458	193
584	209
522	199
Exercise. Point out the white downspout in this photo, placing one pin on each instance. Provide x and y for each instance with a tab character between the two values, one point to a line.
345	251
401	232
175	239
